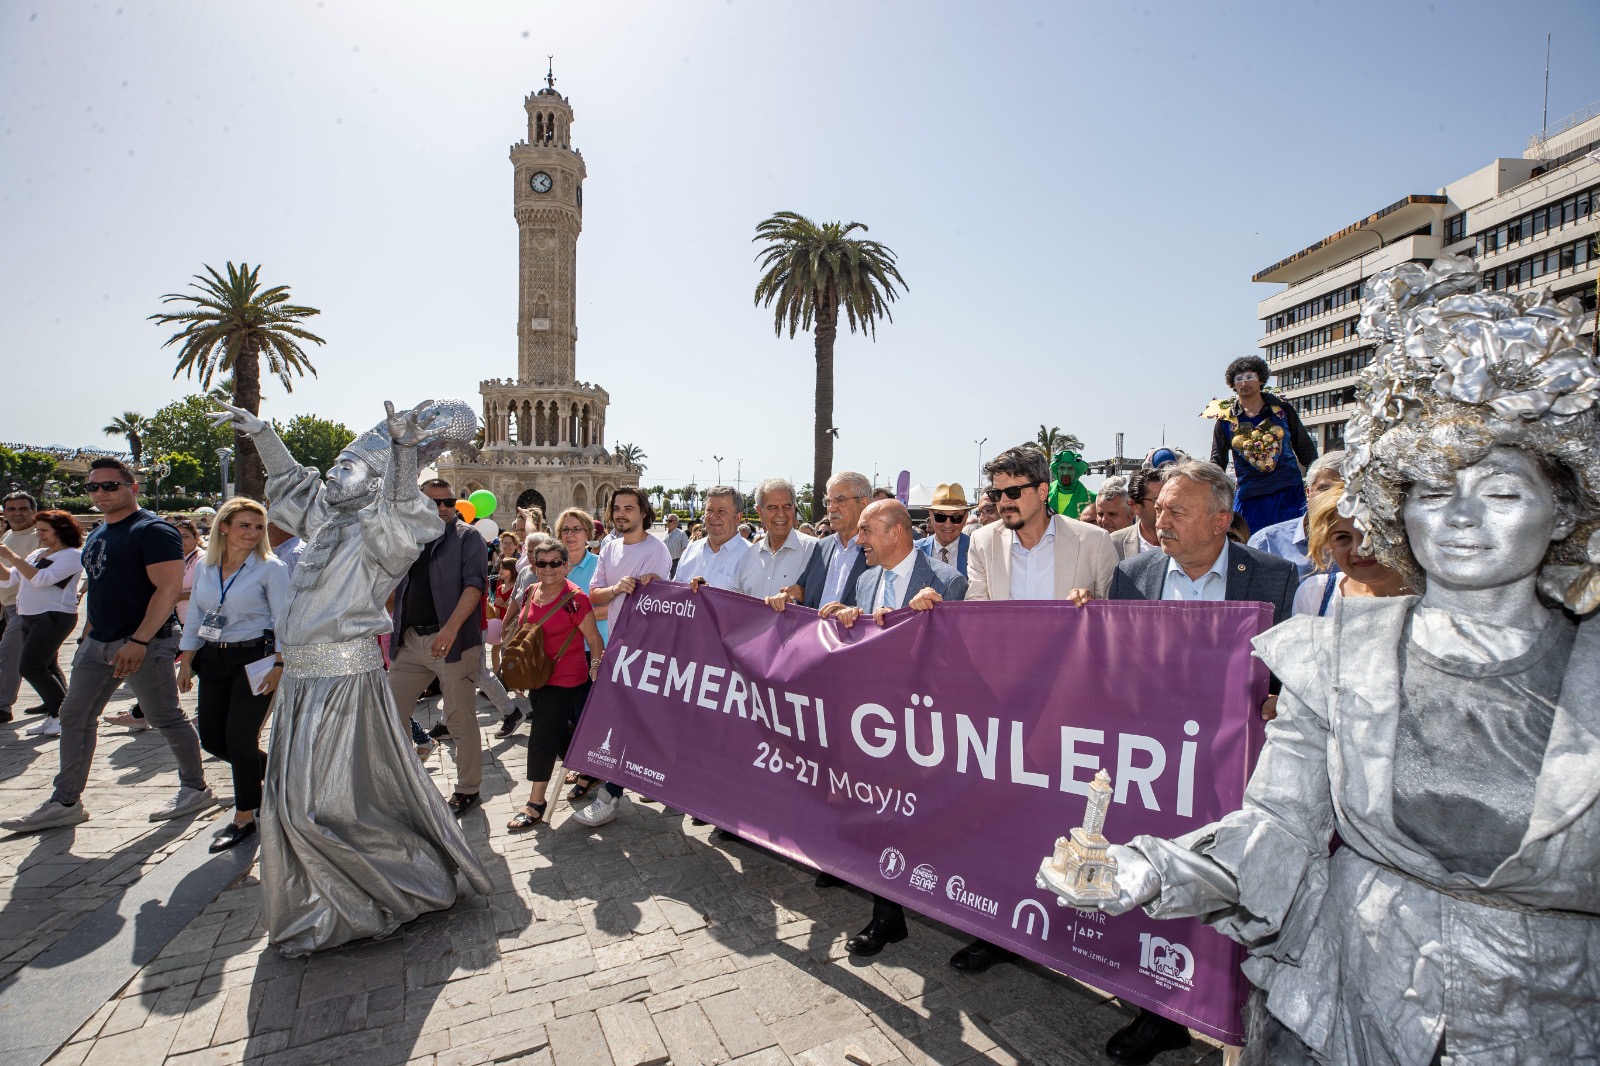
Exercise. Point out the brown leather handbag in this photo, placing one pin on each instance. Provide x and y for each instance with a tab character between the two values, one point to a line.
524	664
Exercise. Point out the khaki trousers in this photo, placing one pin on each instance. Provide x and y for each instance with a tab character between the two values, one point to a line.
410	672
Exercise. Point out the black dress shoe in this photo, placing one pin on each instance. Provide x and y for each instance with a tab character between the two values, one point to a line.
41	709
440	732
1148	1035
978	956
827	880
234	834
871	940
462	802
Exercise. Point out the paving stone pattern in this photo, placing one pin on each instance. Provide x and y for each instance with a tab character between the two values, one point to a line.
645	942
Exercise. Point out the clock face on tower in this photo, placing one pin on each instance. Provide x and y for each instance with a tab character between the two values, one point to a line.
540	182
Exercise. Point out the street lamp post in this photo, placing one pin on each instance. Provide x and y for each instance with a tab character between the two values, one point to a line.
225	454
979	482
159	469
718	459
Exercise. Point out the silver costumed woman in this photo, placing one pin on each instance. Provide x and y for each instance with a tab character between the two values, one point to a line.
1452	740
355	838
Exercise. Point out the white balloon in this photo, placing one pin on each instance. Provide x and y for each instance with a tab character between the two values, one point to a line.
487	527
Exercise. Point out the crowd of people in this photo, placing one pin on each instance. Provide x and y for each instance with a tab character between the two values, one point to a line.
1422	823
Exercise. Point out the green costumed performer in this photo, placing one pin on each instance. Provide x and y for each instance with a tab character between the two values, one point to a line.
1067	494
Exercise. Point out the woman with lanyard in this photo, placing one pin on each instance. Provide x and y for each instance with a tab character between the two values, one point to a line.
240	593
47	606
1269	446
133	718
563	613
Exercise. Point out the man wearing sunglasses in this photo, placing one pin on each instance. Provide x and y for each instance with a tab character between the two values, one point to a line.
947	514
437	634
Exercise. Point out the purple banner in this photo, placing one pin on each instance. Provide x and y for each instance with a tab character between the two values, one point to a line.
936	760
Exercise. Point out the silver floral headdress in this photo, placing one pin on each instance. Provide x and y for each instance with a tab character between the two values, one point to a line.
1454	368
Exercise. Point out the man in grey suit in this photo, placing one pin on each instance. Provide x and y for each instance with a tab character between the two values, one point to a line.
1197	563
837	562
900	576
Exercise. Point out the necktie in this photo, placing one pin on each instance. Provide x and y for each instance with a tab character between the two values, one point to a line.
944	555
889	599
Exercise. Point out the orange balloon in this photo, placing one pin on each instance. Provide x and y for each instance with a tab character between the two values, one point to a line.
469	513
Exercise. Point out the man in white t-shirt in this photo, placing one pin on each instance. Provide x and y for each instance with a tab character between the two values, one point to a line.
714	559
779	561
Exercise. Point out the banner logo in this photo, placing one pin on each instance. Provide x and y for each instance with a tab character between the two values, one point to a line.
1034	910
602	754
1172	965
891	864
956	889
924	878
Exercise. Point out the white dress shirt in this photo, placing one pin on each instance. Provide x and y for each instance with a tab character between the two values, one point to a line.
902	577
839	571
1033	570
764	572
719	566
44	592
1209	587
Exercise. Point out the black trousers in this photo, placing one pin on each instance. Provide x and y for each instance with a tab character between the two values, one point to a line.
553	716
231	717
42	637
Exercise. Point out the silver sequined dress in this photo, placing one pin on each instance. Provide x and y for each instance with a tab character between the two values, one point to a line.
355	838
1374	954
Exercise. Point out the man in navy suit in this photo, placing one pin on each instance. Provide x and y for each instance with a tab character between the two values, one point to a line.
946	515
837	562
1197	563
900	576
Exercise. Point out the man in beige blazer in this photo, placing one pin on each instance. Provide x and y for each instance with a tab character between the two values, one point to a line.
1031	554
1143	489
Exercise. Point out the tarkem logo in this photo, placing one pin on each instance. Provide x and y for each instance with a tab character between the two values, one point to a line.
891	864
1172	965
956	889
924	878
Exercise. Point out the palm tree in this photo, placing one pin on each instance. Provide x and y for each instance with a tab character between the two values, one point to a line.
222	390
631	454
233	323
133	426
809	273
1052	440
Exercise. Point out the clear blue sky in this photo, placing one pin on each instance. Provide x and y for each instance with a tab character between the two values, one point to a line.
1079	195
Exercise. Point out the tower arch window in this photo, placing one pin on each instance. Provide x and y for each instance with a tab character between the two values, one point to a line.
587	427
580	496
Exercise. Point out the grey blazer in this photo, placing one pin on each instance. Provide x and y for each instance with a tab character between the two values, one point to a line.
1252	575
944	579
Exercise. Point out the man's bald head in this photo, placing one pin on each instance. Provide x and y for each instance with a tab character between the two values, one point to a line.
885	532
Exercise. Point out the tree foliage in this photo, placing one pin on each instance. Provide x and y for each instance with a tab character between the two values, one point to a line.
1051	440
631	454
130	425
29	470
182	428
810	273
182	470
315	441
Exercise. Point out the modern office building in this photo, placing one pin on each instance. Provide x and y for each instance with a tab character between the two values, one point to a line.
1530	222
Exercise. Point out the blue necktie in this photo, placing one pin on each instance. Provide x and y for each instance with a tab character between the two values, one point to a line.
889	599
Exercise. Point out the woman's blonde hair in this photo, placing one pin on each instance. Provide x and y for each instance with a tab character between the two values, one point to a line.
1321	519
217	546
579	515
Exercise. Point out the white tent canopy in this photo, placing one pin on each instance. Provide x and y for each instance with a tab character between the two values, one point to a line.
919	495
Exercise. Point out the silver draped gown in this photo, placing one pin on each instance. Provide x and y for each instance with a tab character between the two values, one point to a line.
1375	953
355	838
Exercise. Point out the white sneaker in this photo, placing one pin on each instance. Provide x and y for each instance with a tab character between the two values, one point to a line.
187	801
598	810
48	815
50	727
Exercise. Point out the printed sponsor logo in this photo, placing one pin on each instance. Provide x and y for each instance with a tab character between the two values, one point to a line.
924	879
1171	965
644	771
656	605
955	890
602	754
891	864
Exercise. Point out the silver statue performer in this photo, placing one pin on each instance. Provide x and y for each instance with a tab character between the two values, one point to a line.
1453	740
355	838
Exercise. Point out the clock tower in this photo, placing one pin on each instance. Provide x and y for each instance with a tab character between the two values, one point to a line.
544	431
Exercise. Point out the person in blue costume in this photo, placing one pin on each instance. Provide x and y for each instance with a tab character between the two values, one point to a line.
1269	447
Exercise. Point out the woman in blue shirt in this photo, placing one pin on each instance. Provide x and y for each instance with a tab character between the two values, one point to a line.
240	593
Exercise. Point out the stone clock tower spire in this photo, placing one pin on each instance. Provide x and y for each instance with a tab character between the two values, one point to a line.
544	431
548	175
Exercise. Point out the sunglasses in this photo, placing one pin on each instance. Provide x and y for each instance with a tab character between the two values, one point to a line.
955	518
548	564
445	501
105	486
1013	493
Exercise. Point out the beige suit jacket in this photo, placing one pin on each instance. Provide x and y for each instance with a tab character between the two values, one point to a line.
1085	559
1127	541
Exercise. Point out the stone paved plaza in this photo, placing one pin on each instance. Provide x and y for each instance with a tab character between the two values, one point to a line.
646	941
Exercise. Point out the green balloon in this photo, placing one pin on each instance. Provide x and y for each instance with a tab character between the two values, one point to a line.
483	502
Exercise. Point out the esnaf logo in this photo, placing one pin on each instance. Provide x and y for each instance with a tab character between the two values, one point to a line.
1172	965
602	754
657	605
955	890
924	879
644	771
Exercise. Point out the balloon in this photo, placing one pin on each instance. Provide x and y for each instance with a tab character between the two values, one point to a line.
486	526
492	630
467	511
484	501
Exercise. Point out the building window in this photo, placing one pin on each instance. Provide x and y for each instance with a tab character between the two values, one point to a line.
1455	228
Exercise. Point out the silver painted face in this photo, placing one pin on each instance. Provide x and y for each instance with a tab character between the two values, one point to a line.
1491	527
348	479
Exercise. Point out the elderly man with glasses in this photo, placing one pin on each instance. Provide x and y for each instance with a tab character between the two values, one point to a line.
946	515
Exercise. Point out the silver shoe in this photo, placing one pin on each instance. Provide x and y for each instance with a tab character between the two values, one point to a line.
186	801
48	815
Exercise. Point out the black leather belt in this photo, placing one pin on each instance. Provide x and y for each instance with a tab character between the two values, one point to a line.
426	631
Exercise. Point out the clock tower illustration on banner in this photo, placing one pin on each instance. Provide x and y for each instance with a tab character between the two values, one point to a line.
1080	867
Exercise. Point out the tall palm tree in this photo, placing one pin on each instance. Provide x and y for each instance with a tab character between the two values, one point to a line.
232	325
222	390
133	426
809	273
630	454
1052	440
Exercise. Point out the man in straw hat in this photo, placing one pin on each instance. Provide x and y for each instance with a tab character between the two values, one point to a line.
947	514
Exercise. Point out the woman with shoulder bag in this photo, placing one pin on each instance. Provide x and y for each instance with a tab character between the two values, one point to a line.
562	613
240	593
